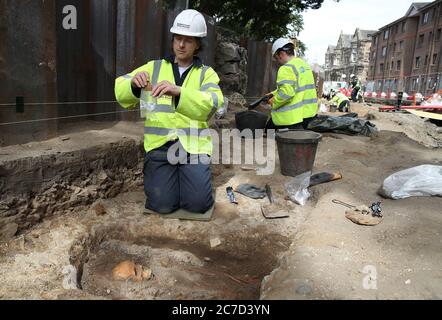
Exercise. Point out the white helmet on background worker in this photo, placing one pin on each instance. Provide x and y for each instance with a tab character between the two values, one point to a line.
352	76
190	23
279	44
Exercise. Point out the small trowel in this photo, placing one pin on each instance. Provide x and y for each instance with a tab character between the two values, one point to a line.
273	211
256	103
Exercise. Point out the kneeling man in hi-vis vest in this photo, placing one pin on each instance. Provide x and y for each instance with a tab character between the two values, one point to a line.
188	95
295	101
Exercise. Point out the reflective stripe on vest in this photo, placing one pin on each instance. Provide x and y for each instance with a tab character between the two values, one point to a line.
283	95
203	74
156	71
209	85
299	88
205	88
290	82
296	106
194	132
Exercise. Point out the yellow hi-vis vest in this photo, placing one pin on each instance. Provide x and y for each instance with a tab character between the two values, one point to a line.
200	99
339	98
295	97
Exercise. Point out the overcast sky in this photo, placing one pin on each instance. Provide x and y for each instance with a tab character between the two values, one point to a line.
323	26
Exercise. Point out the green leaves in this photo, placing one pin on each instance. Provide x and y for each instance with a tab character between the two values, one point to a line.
256	19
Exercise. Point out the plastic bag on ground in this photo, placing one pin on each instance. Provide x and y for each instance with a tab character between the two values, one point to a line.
425	180
346	124
297	188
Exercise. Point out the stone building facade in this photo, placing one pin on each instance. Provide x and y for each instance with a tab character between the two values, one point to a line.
349	56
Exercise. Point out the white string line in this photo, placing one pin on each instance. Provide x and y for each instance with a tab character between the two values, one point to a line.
78	102
68	117
71	117
57	103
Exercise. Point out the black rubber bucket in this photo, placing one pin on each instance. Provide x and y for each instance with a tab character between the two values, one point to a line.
297	151
251	119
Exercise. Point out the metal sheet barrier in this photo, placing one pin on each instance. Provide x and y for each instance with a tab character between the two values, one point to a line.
55	68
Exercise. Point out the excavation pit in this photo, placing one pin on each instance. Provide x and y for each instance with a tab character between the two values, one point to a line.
181	270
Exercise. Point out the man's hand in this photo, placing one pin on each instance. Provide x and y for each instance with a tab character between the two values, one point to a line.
270	98
165	87
140	80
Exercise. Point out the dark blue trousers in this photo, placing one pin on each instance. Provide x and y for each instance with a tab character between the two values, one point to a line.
354	95
169	187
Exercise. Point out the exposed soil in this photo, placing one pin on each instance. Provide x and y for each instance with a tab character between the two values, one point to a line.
314	254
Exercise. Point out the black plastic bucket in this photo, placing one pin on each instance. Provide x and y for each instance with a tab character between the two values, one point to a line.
297	151
251	119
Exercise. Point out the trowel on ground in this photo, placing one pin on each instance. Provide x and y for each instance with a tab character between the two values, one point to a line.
273	210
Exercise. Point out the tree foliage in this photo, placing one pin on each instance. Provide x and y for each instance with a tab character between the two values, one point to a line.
257	19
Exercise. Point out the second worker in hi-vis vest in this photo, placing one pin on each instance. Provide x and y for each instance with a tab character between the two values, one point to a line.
295	101
187	96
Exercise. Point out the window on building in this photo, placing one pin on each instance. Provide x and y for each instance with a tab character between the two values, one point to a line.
403	27
420	41
398	65
414	85
438	34
426	60
375	40
430	83
353	56
425	18
392	65
381	67
384	51
430	37
418	63
394	47
434	58
386	33
401	45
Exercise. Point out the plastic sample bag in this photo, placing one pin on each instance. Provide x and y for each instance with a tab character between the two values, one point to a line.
425	180
221	113
148	103
297	188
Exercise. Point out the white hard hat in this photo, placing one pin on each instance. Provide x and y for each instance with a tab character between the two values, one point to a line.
352	75
279	44
190	23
